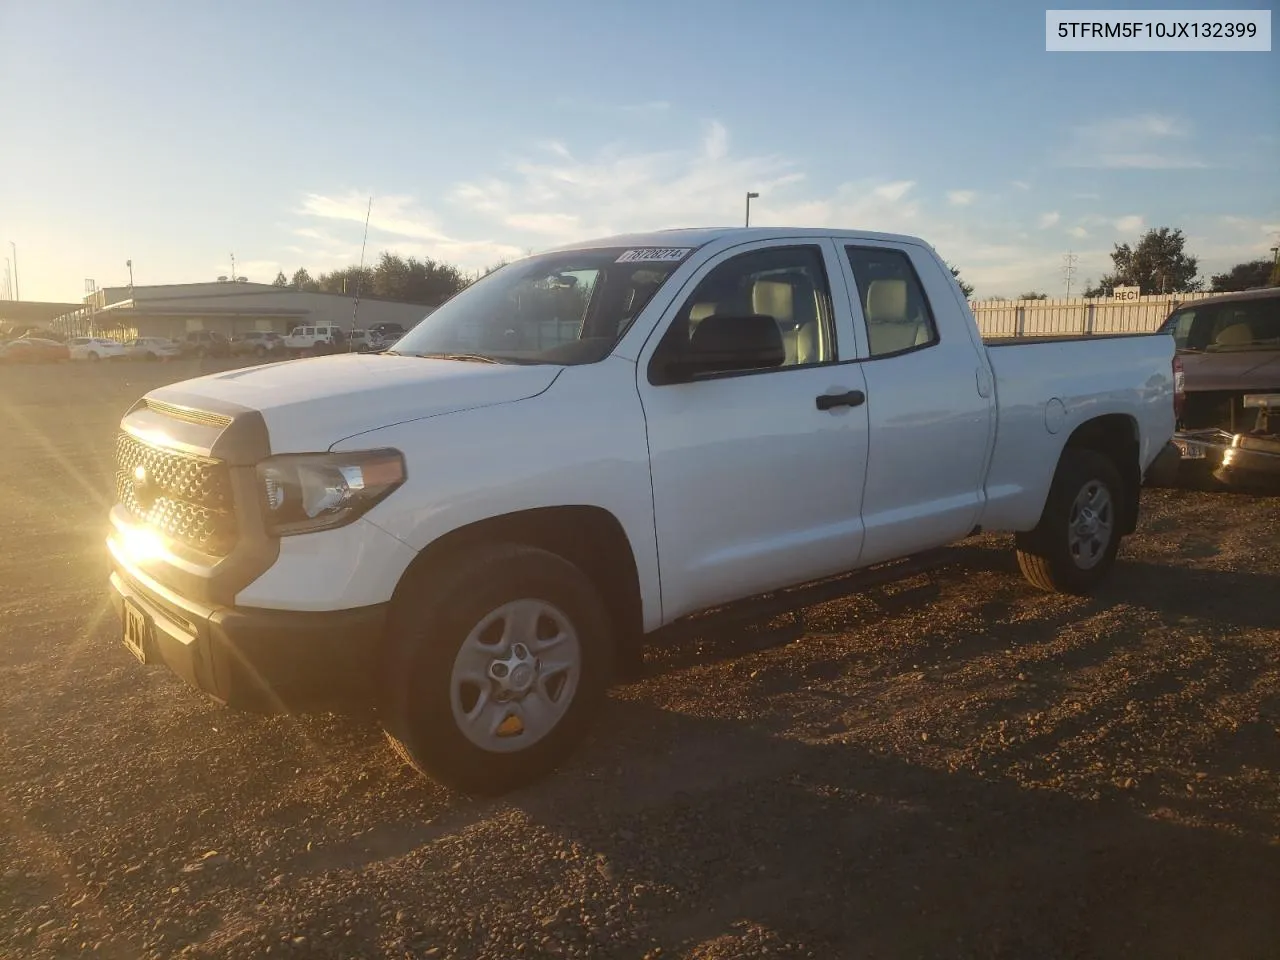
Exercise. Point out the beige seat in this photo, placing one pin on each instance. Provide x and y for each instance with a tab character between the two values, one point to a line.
1236	335
793	305
889	327
699	312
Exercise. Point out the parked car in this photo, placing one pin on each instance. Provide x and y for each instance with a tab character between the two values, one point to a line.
1229	347
363	341
317	339
205	343
152	348
96	348
258	343
480	528
388	332
33	350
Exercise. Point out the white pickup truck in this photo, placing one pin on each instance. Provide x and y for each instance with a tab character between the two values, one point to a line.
480	526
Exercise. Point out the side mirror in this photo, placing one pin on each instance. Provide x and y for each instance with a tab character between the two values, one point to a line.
722	344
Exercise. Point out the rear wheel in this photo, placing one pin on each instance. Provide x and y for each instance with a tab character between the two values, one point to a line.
93	355
495	668
1074	546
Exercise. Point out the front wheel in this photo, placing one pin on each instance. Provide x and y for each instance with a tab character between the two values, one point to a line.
93	356
495	667
1074	546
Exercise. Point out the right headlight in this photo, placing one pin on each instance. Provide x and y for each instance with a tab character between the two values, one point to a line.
305	492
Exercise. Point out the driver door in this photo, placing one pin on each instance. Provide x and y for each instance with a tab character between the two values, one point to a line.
757	474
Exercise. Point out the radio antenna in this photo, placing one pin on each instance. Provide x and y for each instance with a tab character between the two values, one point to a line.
355	309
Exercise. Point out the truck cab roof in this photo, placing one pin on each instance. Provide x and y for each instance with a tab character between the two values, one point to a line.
696	237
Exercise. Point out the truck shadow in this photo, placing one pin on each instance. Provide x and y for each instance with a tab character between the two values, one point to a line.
711	827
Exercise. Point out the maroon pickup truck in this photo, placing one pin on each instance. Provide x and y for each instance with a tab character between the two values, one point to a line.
1229	348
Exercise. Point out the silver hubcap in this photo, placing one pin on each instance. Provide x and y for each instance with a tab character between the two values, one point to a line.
1090	525
515	676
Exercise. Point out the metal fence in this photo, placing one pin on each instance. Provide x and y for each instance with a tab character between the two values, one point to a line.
1076	316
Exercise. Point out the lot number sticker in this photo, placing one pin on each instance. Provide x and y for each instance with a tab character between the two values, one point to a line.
655	254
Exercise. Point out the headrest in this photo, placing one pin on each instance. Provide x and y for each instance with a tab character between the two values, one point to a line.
732	335
773	298
700	311
887	301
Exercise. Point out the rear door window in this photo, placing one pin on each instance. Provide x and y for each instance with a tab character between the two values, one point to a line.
894	304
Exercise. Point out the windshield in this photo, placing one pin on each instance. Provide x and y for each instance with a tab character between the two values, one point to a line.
1231	326
562	308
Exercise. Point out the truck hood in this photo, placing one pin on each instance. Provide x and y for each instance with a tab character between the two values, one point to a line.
1234	370
311	404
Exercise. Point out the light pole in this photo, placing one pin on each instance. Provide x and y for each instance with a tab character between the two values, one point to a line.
750	197
17	294
129	264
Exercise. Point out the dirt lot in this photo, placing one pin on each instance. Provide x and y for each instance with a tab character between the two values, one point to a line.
952	766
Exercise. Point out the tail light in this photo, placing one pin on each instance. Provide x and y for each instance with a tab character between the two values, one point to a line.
1179	388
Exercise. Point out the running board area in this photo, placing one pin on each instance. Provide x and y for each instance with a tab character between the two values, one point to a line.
793	599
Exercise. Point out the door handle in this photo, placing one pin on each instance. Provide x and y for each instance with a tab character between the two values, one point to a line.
828	401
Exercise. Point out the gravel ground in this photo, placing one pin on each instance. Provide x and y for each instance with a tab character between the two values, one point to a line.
953	765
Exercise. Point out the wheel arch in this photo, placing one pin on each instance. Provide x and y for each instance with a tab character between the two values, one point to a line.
589	537
1115	436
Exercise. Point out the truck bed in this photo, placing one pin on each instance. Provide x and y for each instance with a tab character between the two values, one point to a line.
1063	338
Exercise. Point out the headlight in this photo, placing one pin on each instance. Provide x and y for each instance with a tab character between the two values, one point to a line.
305	492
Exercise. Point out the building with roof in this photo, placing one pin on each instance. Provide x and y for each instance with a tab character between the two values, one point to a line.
227	307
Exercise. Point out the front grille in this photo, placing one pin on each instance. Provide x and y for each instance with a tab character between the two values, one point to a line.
184	496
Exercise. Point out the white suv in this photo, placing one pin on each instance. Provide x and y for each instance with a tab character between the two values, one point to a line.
313	339
95	348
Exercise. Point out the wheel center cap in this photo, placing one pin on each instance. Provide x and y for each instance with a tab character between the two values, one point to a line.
521	676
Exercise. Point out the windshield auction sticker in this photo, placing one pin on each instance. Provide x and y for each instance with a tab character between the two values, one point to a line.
655	254
1157	31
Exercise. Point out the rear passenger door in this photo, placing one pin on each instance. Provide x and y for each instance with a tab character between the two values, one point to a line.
929	401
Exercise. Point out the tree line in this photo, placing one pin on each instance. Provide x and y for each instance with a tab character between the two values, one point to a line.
393	277
1160	263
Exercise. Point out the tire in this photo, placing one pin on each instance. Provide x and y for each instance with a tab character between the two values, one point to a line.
151	356
1054	557
260	352
94	356
438	619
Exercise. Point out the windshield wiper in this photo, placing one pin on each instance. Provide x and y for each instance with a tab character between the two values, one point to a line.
472	357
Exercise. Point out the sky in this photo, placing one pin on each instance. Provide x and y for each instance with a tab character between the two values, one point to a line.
177	134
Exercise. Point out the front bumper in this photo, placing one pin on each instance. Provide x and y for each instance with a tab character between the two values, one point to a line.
1231	455
274	660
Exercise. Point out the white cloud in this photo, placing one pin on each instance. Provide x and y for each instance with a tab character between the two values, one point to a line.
396	224
894	191
1021	185
1143	142
556	197
559	193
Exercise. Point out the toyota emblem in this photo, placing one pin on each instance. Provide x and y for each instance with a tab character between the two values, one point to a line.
143	490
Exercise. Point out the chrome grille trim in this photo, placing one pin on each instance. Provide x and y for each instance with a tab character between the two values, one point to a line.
188	496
